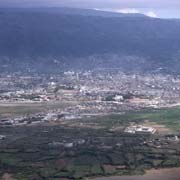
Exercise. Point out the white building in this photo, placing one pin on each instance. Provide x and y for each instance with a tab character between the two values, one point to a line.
2	137
140	130
118	98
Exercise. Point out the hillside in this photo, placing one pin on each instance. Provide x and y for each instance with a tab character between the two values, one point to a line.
52	40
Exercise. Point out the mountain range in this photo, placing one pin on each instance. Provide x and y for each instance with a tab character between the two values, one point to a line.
51	40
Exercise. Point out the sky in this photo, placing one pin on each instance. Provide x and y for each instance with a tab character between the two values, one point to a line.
153	8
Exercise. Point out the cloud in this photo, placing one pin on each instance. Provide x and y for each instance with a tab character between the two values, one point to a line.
128	10
151	14
124	11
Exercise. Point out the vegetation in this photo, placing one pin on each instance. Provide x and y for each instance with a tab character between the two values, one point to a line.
32	154
18	109
170	117
48	44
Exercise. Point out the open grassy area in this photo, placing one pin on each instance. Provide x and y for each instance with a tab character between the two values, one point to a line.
169	117
24	108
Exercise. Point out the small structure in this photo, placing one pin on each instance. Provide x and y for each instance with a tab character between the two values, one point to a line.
118	98
140	130
68	145
2	137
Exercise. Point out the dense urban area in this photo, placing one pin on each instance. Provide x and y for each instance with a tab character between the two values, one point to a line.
77	125
92	92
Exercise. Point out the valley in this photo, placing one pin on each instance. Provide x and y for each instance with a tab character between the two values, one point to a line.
77	125
88	94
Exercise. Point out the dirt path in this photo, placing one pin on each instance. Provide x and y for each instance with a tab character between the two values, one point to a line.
163	174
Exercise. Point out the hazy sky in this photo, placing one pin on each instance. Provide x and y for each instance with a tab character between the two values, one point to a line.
159	8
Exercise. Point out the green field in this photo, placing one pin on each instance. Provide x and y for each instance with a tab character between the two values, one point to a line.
29	153
170	117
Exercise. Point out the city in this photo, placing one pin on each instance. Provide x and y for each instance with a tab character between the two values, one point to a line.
89	90
77	118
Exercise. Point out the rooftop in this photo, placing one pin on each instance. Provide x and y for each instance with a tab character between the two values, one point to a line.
140	129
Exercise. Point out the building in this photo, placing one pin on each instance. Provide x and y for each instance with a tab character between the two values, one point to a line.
2	137
140	130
